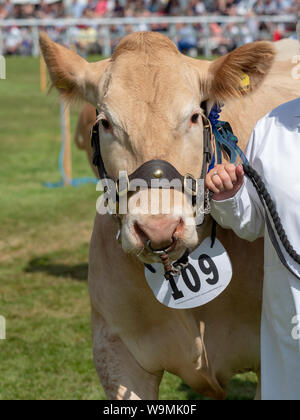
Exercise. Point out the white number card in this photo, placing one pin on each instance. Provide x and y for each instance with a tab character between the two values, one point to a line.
207	275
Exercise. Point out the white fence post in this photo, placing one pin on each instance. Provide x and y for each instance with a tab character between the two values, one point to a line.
35	39
172	32
2	67
107	41
207	41
1	41
2	328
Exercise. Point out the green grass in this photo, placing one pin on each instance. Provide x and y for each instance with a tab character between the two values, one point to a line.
44	239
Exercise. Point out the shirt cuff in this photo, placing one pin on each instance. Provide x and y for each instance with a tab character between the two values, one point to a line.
231	200
225	211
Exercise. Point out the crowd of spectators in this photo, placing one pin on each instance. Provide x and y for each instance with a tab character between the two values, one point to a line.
119	8
87	38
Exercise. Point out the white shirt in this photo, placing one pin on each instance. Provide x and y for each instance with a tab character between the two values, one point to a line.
274	151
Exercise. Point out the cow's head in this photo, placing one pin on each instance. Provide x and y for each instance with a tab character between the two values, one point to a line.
149	98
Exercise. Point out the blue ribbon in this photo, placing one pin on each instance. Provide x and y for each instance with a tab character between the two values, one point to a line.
225	139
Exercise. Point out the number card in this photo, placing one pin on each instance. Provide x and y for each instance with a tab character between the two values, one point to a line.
207	275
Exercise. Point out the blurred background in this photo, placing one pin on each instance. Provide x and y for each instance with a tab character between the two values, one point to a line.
45	225
198	26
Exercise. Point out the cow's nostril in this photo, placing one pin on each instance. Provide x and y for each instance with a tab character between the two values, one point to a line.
160	231
179	230
140	233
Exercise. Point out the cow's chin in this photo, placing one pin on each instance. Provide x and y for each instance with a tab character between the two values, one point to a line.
132	243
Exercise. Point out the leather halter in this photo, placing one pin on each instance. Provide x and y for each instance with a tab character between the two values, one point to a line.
149	170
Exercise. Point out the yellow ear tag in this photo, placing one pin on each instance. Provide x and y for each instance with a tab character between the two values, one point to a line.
245	82
61	85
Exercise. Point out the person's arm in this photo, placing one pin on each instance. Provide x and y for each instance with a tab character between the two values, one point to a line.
235	204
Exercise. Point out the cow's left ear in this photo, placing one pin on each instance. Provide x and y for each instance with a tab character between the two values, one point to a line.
240	71
72	76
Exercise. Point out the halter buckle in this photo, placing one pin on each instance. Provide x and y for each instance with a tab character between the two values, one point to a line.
187	189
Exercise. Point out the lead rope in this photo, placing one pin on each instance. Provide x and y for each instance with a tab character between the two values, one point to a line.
174	269
229	141
169	269
270	207
264	194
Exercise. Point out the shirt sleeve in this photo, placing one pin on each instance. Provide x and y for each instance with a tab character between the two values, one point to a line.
244	213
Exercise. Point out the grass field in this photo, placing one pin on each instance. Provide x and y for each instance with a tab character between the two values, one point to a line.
44	239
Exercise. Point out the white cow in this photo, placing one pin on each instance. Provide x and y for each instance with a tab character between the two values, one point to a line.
149	97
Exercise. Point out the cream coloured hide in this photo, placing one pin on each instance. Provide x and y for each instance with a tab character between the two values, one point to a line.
149	98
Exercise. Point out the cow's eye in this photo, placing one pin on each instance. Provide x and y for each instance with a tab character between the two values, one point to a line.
105	123
195	118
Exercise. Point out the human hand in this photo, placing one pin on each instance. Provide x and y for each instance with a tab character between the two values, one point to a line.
225	181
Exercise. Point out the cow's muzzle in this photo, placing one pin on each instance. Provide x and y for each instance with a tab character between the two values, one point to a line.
160	232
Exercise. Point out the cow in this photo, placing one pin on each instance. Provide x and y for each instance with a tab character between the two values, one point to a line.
150	100
286	49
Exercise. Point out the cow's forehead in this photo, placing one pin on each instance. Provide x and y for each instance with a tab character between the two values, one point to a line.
163	83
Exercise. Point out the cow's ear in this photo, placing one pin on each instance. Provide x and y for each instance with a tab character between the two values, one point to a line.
240	71
73	76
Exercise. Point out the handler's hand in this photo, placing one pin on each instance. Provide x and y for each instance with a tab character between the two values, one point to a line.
225	181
